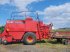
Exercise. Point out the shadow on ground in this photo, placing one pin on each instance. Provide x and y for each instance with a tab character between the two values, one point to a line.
54	42
23	43
43	41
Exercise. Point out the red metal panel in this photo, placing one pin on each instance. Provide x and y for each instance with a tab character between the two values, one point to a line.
17	35
31	25
7	38
16	26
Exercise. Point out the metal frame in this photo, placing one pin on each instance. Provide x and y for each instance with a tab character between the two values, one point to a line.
25	14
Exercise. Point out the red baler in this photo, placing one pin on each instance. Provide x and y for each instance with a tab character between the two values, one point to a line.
27	31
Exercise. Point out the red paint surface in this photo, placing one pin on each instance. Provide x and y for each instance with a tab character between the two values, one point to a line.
16	29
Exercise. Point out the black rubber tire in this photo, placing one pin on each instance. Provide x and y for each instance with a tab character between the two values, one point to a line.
29	34
65	42
4	42
0	41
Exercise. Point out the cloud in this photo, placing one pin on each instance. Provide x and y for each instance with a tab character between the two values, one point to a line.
4	1
61	10
58	15
21	4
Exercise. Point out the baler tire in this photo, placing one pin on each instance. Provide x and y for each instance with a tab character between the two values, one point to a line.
25	38
4	42
65	42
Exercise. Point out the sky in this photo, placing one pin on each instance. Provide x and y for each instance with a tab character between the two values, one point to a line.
50	11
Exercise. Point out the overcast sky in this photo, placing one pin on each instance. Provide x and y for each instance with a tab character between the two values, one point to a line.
50	11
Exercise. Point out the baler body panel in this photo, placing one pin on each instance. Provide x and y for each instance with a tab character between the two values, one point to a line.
16	29
15	25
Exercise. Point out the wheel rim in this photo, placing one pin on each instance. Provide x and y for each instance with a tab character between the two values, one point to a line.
30	39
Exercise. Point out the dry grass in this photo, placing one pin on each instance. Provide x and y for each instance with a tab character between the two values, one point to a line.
52	44
43	46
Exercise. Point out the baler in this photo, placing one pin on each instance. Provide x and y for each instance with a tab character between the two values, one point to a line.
27	31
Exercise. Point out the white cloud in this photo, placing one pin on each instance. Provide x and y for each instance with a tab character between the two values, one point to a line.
58	11
4	1
21	4
58	15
